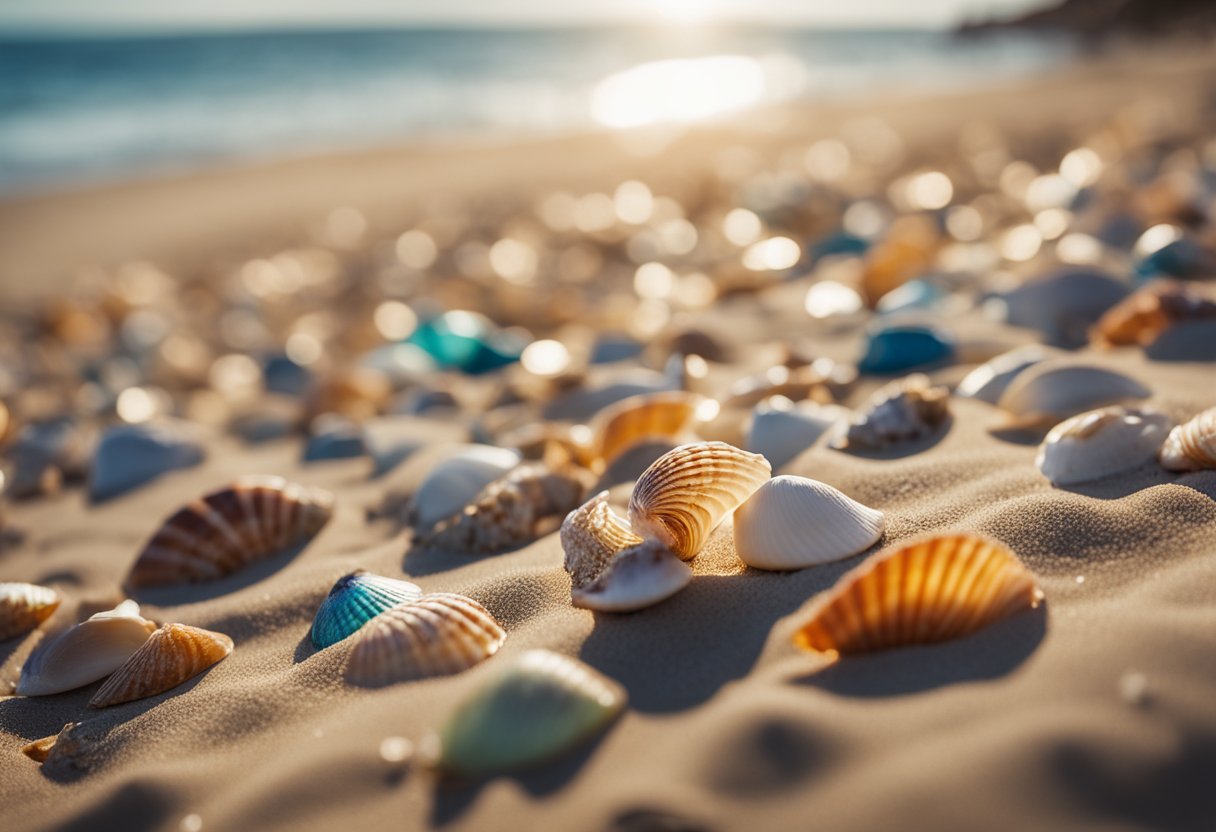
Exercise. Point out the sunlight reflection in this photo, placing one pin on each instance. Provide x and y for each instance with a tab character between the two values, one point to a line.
679	90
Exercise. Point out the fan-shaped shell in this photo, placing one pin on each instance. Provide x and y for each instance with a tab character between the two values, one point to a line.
1140	318
226	530
171	655
1100	443
919	593
988	381
354	600
456	482
687	492
540	707
780	430
24	606
1192	445
1051	392
436	635
794	522
655	416
130	455
91	650
906	409
637	577
592	535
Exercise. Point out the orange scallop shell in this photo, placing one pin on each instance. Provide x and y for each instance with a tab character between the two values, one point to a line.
638	419
170	656
24	606
1141	317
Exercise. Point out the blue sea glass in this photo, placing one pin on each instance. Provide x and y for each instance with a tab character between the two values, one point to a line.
898	348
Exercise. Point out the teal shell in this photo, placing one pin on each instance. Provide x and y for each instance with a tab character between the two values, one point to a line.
354	600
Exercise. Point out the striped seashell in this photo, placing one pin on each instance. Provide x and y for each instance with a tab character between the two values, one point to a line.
457	480
638	577
654	416
1100	443
24	606
988	381
354	600
436	635
794	522
1192	445
904	410
1142	317
173	654
40	750
226	530
686	493
922	592
592	535
540	707
82	654
509	511
1052	391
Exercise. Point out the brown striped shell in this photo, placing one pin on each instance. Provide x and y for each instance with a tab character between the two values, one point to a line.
170	656
687	492
592	535
437	635
224	531
1191	446
644	418
921	592
1140	318
24	606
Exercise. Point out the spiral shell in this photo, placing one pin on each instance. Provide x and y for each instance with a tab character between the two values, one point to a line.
906	409
637	577
354	600
1142	317
687	492
592	535
638	419
24	606
226	530
1192	445
1100	443
922	592
1052	391
171	655
436	635
89	651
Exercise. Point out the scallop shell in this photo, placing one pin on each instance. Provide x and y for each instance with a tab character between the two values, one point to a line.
24	606
171	655
456	482
1100	443
917	593
794	522
1192	445
436	635
130	455
508	512
988	381
904	410
780	430
639	419
592	535
687	492
1142	317
82	654
354	600
540	707
1051	392
637	577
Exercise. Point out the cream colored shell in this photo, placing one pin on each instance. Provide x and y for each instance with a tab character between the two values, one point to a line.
1192	445
1100	443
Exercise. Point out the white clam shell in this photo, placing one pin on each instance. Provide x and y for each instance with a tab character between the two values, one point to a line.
89	651
638	577
1192	445
1101	443
457	480
988	381
780	430
795	522
1053	391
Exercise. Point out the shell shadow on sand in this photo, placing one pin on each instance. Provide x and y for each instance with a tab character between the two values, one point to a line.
189	593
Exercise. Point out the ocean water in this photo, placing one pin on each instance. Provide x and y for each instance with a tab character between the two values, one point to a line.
84	109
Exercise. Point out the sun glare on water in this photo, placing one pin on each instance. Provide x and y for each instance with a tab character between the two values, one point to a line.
678	90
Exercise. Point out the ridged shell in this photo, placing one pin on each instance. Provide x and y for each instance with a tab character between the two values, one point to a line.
1140	318
540	707
592	535
780	430
1100	443
1192	445
24	606
171	655
794	522
639	419
91	650
919	593
687	492
437	635
354	600
1051	392
226	530
508	511
456	482
130	455
637	577
906	409
988	381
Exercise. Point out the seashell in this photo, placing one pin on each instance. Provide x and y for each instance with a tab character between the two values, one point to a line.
466	341
637	577
456	482
355	393
24	606
780	430
988	381
40	750
918	593
333	437
1051	392
226	530
894	349
391	440
282	375
64	754
509	511
354	600
43	454
540	707
403	365
655	416
1192	445
794	522
582	404
915	295
91	650
128	456
171	655
1100	443
906	409
552	443
1063	305
435	635
1143	316
812	381
592	535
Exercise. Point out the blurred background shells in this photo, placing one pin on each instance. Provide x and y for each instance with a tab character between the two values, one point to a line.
1100	443
24	606
780	430
85	652
637	577
457	480
354	600
1053	390
904	410
899	348
1140	319
1063	305
173	654
988	381
654	416
1191	446
131	455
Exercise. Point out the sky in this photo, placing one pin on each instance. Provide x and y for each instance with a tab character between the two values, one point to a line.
225	14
